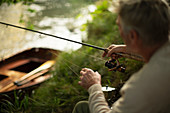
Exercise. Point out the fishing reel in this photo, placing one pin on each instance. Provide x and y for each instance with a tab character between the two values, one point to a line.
114	64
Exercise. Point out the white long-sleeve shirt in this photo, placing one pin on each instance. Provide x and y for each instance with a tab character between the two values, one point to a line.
147	91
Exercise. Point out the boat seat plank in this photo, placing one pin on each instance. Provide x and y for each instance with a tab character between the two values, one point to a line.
15	64
14	75
5	82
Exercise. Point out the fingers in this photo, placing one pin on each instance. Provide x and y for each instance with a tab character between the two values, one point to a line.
86	71
107	50
114	49
86	74
88	78
111	51
104	54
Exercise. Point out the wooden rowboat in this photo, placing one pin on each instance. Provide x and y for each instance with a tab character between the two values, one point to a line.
26	69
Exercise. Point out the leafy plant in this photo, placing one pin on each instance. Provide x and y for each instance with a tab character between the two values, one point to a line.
15	1
19	103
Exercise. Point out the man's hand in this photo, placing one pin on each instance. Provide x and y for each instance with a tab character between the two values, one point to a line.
89	77
115	49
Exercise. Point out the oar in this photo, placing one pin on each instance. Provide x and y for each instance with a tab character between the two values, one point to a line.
44	66
25	81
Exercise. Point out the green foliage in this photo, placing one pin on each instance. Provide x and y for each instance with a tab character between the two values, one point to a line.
31	10
30	25
104	24
15	1
62	92
17	105
27	23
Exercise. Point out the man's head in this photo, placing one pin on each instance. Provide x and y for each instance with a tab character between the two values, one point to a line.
149	20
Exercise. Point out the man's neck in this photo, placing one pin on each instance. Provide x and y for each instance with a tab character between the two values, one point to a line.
147	52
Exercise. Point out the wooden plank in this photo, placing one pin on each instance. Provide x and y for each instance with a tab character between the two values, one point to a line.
14	75
15	64
5	82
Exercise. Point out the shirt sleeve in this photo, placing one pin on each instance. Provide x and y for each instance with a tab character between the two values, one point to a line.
97	102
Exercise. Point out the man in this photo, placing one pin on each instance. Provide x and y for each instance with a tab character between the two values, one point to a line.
144	26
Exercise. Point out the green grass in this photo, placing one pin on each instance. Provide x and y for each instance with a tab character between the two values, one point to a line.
18	103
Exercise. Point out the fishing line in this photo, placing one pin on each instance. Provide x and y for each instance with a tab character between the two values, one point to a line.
72	70
92	56
99	59
64	58
68	65
68	61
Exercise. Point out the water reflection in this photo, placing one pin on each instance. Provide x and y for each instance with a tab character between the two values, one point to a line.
57	17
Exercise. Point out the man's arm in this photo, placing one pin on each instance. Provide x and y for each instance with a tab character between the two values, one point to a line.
91	81
97	102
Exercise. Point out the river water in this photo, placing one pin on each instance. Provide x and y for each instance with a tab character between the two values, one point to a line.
57	17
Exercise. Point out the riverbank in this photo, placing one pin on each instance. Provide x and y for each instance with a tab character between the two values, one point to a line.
12	39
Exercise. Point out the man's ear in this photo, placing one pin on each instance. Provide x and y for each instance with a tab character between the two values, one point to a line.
134	37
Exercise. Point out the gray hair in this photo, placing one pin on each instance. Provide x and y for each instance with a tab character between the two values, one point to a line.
149	18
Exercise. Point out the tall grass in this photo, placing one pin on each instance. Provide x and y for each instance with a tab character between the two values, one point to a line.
62	92
17	103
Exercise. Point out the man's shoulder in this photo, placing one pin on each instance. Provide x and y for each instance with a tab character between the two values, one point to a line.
154	76
159	64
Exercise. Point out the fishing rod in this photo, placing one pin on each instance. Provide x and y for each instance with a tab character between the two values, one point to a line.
84	44
109	64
